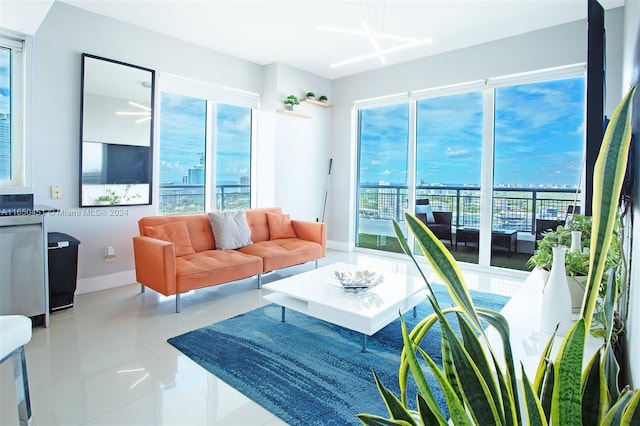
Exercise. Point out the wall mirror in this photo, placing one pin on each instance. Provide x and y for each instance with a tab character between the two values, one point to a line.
116	133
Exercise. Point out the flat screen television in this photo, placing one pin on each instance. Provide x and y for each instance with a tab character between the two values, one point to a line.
126	164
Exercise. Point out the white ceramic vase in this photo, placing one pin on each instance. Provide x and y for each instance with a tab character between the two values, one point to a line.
576	241
576	284
556	299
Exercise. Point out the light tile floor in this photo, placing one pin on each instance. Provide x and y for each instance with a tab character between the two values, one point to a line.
106	360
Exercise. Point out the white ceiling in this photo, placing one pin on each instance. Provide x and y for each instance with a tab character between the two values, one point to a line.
267	31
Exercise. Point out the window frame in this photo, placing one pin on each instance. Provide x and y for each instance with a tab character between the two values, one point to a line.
213	95
20	171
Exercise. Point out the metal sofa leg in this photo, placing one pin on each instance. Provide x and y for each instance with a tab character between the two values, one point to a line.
142	288
316	263
259	281
22	386
177	303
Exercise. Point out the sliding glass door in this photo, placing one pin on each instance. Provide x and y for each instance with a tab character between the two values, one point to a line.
383	141
538	157
495	160
448	163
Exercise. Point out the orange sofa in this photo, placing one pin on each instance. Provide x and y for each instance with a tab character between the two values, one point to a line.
177	264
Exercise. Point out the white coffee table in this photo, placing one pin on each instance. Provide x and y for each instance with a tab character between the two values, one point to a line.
366	311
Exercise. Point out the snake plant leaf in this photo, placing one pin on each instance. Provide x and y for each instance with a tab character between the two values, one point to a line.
416	336
608	175
546	390
610	371
543	364
472	344
475	390
593	391
396	410
617	412
567	390
427	416
417	373
457	411
609	305
535	413
444	265
407	250
509	385
631	415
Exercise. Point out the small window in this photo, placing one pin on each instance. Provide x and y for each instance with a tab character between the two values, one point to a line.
12	160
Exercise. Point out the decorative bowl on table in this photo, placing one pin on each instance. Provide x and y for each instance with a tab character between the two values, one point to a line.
356	280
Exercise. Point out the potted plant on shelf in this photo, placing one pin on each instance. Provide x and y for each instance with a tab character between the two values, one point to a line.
479	381
290	101
323	98
311	95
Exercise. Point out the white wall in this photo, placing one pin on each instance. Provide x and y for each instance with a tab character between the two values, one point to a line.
630	76
300	186
552	47
54	126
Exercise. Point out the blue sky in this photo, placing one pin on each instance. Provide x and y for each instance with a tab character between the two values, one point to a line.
182	138
538	137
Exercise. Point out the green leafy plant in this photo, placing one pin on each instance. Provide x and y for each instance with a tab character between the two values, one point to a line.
323	98
291	100
311	95
478	382
577	264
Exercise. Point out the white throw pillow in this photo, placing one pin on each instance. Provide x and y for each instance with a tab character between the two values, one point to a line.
426	210
230	229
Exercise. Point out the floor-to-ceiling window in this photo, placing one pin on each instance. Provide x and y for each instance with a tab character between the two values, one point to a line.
382	174
205	145
521	136
448	162
538	157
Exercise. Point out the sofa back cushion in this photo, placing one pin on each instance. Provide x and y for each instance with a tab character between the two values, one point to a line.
198	226
259	224
230	229
173	232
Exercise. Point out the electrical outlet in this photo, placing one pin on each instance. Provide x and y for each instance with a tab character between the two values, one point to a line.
56	191
109	254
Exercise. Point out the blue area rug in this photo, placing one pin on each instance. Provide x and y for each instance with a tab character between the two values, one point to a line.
307	371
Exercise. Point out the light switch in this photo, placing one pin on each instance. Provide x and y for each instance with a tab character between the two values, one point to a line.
56	191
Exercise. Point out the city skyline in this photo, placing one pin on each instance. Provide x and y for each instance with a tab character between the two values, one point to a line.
183	133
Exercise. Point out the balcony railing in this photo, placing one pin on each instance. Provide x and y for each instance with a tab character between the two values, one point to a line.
180	199
513	208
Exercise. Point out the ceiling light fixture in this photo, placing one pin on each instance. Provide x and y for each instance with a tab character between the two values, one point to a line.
383	52
373	41
373	37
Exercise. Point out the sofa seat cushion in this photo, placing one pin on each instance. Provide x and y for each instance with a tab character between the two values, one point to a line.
212	267
277	254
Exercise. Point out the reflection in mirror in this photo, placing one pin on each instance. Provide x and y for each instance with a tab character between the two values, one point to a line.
117	133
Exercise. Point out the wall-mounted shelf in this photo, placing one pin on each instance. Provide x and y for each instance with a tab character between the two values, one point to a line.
294	113
317	103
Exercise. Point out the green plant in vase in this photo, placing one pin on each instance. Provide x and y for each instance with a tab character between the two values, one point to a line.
478	380
290	101
577	265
